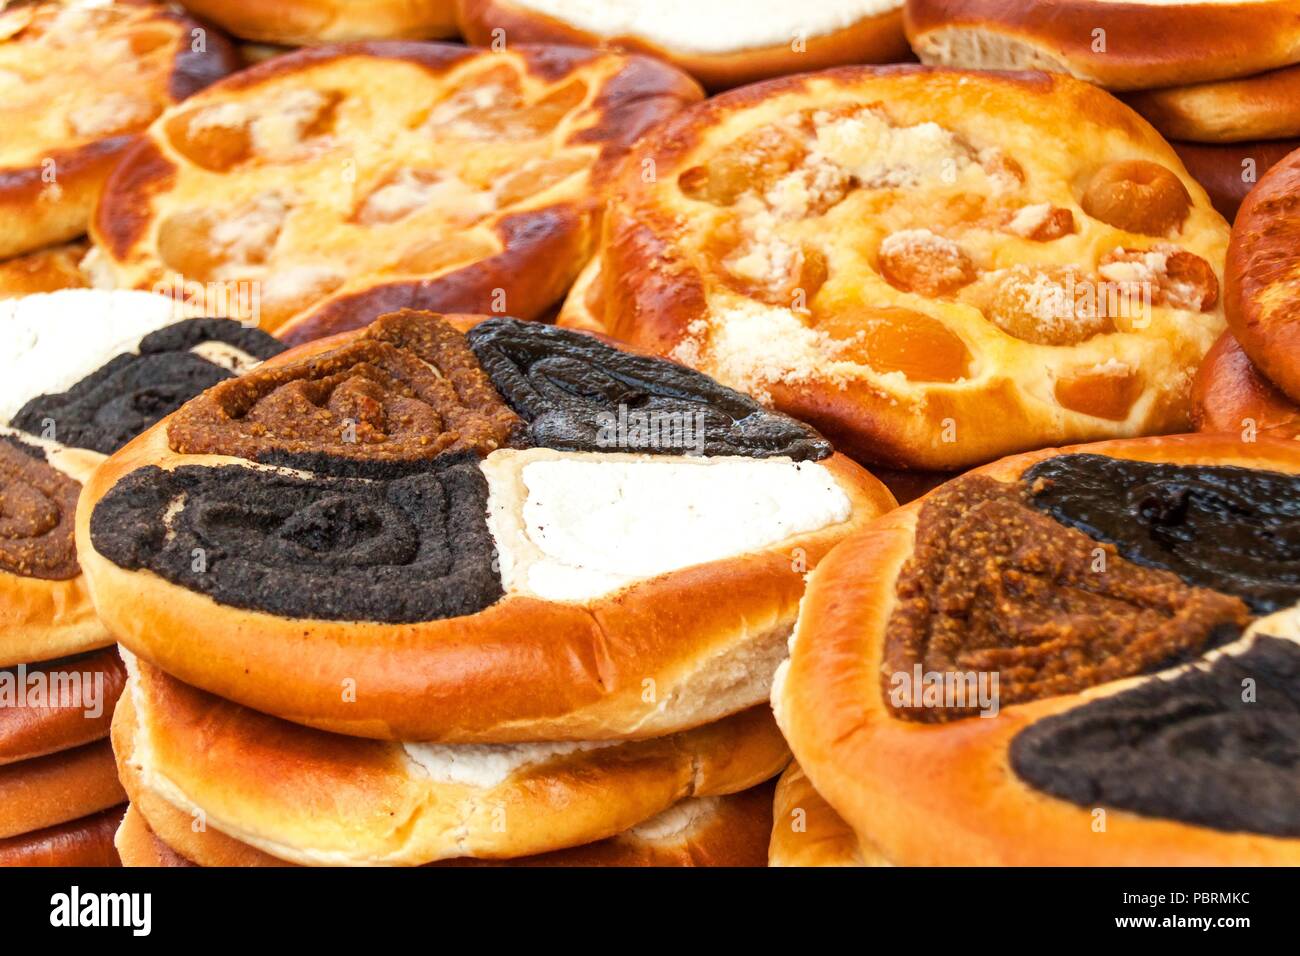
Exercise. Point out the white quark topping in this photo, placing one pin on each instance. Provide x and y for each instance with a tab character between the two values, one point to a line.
590	524
490	765
678	819
718	26
55	339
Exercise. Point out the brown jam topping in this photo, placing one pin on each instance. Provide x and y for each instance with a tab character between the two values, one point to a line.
38	505
407	389
996	586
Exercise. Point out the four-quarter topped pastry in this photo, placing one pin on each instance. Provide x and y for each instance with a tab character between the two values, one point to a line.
356	179
517	534
78	82
932	267
305	22
723	43
1113	43
1076	656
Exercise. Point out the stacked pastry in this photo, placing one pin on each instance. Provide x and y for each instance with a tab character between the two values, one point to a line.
1219	79
1250	381
1080	656
83	373
415	595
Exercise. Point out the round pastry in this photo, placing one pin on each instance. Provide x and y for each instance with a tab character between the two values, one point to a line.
806	830
920	262
84	842
1257	107
1263	274
1229	171
45	270
724	43
46	791
57	705
84	371
305	22
1231	395
315	798
518	534
330	185
1069	657
700	831
79	81
1112	43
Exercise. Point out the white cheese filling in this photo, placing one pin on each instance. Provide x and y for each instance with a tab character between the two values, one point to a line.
576	526
489	765
53	340
719	26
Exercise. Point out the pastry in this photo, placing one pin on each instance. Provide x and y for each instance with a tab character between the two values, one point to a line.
1263	273
1042	662
1231	395
1259	107
305	22
1116	44
566	508
931	267
46	270
84	842
54	706
722	44
1229	171
806	830
309	797
79	80
55	789
333	184
85	372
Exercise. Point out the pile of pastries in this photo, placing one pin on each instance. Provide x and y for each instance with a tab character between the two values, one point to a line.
546	433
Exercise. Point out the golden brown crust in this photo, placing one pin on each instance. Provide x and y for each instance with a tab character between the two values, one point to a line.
874	39
1214	40
557	671
1261	275
84	842
486	199
672	293
950	796
45	270
732	832
318	798
1229	171
306	22
67	721
1232	396
36	211
806	830
1259	107
54	789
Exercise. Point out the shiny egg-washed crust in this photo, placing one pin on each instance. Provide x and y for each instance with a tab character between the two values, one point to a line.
806	830
555	672
1258	107
84	842
664	290
1230	395
731	830
93	77
945	793
46	791
1115	44
316	798
873	39
1262	276
28	732
1229	171
357	179
45	270
41	619
306	22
